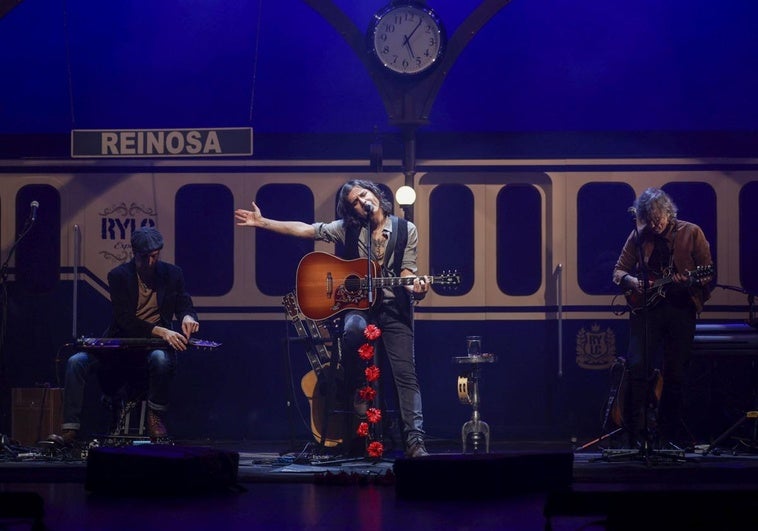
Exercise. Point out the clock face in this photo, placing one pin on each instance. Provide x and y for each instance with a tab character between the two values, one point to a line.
406	38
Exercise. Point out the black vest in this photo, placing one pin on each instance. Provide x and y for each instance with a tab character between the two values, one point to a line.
394	253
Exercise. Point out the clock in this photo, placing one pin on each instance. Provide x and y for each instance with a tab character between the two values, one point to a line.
407	38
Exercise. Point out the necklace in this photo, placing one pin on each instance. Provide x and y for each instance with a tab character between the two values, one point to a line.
142	285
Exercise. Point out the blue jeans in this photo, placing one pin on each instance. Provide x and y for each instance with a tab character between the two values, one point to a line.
115	370
397	343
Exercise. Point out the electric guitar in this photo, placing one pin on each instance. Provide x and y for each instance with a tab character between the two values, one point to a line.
327	285
313	383
114	343
636	300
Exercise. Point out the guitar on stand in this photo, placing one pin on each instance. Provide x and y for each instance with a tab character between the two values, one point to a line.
320	384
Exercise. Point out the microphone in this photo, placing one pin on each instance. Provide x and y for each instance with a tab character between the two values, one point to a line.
633	211
34	206
368	207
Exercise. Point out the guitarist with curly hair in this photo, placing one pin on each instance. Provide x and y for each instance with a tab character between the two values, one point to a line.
366	220
664	267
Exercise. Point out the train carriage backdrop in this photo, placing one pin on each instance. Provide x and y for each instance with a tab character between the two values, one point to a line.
544	124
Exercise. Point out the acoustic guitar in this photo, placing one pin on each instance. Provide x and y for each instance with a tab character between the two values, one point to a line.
327	429
327	285
655	293
615	409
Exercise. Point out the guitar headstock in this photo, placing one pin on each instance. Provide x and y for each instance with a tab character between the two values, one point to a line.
290	304
701	272
202	343
452	278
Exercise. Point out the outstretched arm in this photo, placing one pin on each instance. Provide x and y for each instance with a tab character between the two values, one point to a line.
254	218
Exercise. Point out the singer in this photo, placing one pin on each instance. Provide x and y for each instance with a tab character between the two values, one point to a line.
662	251
365	213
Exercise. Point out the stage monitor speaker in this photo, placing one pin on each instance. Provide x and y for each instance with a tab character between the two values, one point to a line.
482	476
36	412
698	507
160	469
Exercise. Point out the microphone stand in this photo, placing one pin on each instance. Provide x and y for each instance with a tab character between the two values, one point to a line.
370	288
369	274
645	452
4	316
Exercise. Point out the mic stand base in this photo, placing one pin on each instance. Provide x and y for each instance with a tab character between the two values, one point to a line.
645	454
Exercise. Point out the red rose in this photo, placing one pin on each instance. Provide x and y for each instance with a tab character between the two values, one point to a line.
366	352
375	449
367	393
372	332
374	415
372	373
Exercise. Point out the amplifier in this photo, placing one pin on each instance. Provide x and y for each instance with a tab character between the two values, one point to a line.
36	412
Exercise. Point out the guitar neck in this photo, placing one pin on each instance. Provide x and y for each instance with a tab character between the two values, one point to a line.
392	282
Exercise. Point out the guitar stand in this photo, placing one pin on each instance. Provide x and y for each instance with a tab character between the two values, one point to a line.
617	386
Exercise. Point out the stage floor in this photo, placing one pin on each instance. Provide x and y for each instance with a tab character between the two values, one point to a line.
518	485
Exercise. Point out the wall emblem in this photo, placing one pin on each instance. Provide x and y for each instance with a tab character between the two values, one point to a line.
595	349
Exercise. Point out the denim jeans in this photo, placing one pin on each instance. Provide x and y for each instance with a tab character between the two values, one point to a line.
397	344
115	369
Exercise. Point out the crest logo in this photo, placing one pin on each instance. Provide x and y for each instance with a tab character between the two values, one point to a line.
595	349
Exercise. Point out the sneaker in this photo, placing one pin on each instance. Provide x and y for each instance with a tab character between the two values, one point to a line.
155	426
416	449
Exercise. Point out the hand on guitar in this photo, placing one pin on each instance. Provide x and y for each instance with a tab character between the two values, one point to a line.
634	283
420	285
683	279
175	340
189	325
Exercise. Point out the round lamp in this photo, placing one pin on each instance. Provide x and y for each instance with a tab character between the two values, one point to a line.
405	196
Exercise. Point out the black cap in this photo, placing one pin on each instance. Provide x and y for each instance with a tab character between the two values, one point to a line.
146	240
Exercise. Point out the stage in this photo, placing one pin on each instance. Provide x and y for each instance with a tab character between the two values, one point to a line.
518	485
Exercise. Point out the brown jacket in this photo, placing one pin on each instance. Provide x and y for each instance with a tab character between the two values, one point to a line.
691	249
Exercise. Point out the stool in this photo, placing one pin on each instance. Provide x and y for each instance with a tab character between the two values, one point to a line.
468	393
129	414
124	422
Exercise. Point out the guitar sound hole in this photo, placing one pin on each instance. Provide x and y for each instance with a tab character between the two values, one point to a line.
353	283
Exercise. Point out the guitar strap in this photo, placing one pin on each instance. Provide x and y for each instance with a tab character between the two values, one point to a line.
391	243
398	240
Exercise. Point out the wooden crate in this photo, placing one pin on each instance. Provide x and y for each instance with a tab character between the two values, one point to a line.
36	413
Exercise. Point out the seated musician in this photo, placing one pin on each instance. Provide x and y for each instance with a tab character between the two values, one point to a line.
146	295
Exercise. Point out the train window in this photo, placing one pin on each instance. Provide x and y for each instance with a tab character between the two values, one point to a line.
277	256
38	255
196	242
748	243
603	223
519	240
696	202
451	238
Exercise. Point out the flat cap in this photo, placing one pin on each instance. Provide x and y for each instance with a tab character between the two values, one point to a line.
146	240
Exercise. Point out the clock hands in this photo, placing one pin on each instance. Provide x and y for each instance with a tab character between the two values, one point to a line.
407	39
